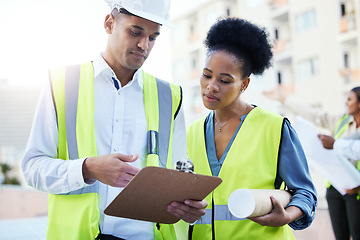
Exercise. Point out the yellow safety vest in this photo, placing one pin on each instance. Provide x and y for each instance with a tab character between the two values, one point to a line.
75	215
251	163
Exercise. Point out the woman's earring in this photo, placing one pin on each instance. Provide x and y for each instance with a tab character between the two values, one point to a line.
242	90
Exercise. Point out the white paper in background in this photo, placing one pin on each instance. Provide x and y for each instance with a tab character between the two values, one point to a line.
338	170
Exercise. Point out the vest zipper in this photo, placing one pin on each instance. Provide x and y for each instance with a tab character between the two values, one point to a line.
213	217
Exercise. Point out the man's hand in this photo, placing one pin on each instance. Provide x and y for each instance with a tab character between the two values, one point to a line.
327	141
189	211
110	169
278	216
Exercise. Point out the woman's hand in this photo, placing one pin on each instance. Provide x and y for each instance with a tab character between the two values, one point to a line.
189	211
327	141
278	216
353	190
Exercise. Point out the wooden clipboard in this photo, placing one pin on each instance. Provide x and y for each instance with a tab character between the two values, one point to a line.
149	193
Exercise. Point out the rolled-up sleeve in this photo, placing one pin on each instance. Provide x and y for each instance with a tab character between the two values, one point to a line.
294	171
349	148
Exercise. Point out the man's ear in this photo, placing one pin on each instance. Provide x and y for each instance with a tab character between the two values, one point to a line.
109	23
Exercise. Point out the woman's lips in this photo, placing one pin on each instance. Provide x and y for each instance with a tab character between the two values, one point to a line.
211	98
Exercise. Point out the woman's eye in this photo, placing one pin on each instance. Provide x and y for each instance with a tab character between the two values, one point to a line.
206	75
225	81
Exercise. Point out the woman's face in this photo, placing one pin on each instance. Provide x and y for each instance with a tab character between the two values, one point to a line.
221	82
352	103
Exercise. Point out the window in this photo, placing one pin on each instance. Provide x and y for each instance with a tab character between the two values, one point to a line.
210	18
305	21
179	67
228	12
279	77
276	34
346	60
308	68
253	3
342	9
179	34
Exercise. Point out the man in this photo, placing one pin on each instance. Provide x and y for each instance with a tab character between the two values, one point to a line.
99	116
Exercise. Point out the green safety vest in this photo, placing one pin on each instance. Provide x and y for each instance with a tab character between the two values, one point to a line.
75	215
251	163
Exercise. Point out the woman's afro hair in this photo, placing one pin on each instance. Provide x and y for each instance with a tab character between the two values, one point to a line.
244	40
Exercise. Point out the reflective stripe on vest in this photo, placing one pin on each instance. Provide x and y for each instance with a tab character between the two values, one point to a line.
160	96
341	126
221	212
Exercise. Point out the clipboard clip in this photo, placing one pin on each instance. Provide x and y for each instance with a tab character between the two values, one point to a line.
185	165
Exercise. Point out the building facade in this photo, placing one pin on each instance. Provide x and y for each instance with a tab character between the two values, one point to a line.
316	50
17	107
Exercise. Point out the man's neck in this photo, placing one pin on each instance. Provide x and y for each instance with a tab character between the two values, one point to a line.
122	74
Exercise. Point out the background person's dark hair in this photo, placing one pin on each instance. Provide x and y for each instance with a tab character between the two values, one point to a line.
356	90
246	41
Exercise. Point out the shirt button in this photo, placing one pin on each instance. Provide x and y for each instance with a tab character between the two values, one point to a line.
117	120
115	149
119	92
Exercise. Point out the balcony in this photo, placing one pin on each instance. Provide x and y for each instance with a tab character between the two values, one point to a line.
280	10
277	3
282	50
350	74
348	22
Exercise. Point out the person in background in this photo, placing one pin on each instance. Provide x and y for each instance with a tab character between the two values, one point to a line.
344	210
245	145
91	129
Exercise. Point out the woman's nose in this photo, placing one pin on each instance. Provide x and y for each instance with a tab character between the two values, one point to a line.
212	86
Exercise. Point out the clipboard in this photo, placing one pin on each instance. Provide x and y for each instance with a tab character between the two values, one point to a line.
149	193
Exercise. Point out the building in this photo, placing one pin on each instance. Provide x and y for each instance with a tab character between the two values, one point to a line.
316	60
316	49
17	107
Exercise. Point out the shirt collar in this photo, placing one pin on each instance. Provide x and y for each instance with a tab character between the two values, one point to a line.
101	67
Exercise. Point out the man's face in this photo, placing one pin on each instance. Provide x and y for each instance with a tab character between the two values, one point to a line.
131	40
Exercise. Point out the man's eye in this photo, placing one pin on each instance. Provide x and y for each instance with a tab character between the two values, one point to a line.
135	33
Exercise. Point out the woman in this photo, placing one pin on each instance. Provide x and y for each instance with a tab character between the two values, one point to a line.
344	210
248	147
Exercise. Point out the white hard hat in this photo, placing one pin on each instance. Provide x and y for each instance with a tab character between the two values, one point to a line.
153	10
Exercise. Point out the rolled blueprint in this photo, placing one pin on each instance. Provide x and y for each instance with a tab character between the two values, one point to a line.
244	203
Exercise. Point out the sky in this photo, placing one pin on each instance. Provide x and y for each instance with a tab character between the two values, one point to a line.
39	34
